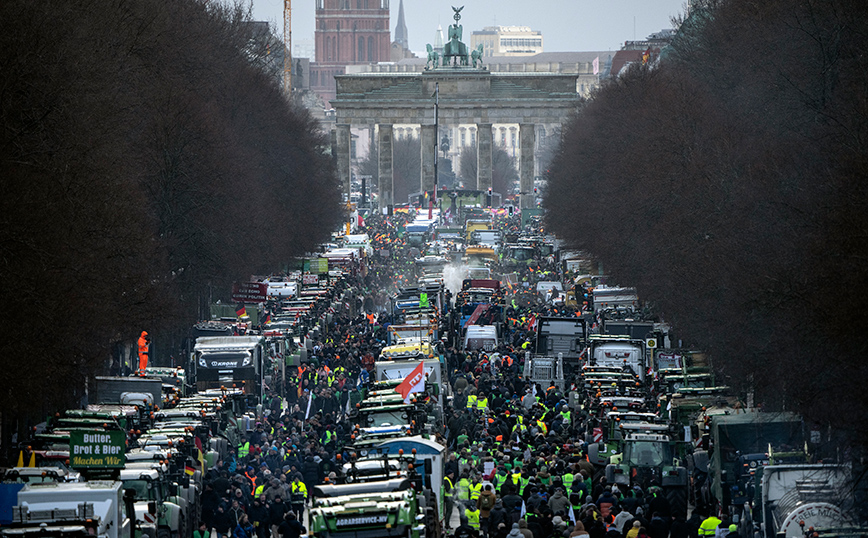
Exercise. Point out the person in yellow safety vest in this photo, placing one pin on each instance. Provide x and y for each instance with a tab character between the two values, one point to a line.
709	526
475	490
298	495
243	450
542	427
471	401
462	489
567	416
516	478
448	491
567	480
482	402
524	482
472	517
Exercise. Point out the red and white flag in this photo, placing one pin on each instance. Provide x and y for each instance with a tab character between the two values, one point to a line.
415	382
597	65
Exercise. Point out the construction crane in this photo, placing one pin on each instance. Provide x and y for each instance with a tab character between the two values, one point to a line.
287	45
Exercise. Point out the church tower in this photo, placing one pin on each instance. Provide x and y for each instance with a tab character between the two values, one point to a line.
401	36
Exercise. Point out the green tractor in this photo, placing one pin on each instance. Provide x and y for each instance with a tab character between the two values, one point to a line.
384	508
648	459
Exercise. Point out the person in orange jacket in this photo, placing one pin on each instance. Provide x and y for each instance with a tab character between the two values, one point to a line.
144	343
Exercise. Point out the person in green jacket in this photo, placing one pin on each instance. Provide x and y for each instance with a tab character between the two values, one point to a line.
202	531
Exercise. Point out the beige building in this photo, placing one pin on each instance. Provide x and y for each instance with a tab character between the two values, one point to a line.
507	41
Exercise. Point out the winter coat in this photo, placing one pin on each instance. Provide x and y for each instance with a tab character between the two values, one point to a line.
559	504
246	531
276	511
522	528
498	515
291	529
515	532
606	502
258	514
484	512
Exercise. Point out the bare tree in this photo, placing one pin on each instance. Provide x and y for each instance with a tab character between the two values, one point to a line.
148	159
503	171
728	183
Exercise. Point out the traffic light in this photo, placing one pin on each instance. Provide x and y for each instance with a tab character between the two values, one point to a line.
535	191
489	191
510	211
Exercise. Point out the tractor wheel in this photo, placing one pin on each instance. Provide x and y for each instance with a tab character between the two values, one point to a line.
677	497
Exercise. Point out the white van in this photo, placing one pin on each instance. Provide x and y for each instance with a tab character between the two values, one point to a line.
482	337
558	295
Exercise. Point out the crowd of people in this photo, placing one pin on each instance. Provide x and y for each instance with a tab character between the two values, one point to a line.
516	465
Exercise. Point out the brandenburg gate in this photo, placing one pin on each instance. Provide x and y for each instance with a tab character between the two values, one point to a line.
468	94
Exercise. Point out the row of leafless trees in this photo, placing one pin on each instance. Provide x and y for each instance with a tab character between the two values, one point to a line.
147	162
729	183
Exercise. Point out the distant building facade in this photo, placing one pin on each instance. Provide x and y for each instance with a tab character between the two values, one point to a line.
507	41
348	32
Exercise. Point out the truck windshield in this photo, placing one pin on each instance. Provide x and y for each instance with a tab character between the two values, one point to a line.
144	489
522	254
481	343
647	453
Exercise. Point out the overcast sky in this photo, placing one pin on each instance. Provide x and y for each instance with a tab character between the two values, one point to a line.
566	25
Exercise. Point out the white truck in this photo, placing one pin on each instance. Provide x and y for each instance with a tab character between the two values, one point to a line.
606	297
141	391
399	369
544	370
797	498
156	515
480	337
70	509
440	389
564	335
618	352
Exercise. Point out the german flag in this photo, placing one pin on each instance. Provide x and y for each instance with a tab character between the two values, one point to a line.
189	469
240	311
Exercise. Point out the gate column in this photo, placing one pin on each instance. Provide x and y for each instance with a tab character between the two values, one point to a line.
428	148
527	140
343	157
386	185
483	162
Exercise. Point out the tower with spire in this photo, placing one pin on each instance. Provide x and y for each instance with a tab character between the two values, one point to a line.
438	40
401	36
